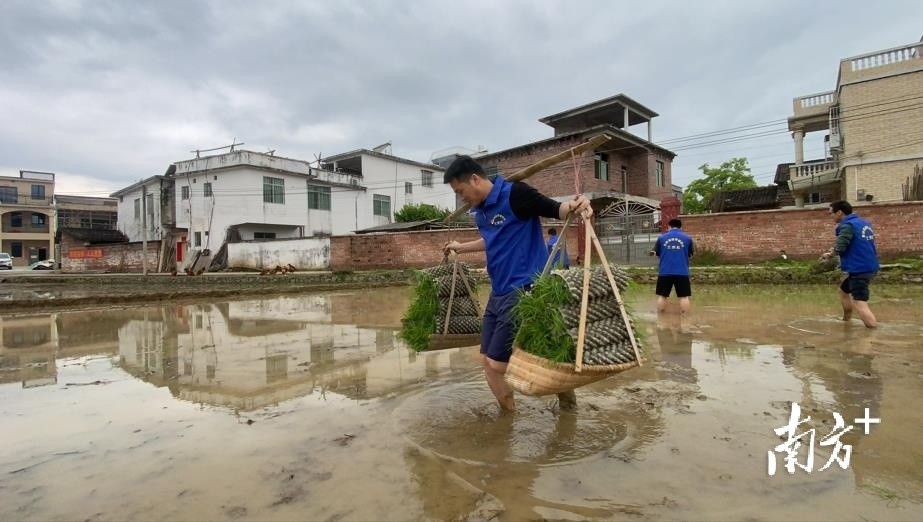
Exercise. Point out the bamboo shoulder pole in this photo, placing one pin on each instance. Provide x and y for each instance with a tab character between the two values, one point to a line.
618	296
584	298
590	144
448	311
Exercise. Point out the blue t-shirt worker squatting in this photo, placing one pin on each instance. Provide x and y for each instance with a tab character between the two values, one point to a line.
507	216
674	248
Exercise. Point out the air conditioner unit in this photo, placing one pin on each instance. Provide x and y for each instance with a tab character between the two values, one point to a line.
860	194
835	142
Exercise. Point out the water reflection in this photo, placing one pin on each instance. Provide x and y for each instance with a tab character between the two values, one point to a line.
341	405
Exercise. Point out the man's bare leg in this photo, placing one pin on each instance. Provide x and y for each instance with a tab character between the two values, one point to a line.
847	303
567	401
494	371
865	313
684	305
661	304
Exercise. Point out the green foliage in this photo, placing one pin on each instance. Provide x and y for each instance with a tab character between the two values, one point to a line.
707	257
420	318
542	331
419	212
732	174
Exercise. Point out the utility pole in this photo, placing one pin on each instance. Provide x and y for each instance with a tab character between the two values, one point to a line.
144	228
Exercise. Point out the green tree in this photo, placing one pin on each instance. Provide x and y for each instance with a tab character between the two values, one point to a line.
420	212
732	174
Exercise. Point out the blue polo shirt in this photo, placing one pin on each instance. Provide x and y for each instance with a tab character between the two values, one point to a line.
674	247
515	247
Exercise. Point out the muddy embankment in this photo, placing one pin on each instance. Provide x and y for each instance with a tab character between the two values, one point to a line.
30	291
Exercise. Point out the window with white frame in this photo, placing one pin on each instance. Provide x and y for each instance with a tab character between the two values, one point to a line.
273	190
184	192
197	239
137	208
408	187
427	178
381	205
318	197
207	189
658	173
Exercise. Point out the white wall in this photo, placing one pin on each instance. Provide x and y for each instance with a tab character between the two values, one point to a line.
131	226
237	197
303	254
387	177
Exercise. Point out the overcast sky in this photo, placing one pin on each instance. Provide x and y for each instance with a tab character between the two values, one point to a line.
104	93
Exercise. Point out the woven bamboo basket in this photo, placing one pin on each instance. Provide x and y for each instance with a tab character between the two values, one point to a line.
458	319
530	374
533	375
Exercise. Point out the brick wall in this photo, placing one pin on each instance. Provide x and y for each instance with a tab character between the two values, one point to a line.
803	233
77	257
413	249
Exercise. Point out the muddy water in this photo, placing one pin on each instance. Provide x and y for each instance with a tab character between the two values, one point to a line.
310	408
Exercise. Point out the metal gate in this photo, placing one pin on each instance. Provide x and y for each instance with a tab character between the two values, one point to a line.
627	231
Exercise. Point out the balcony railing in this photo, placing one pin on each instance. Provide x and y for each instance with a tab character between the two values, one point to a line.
813	104
886	57
341	178
897	60
24	199
812	169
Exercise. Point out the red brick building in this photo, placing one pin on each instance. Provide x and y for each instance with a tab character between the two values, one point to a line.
626	164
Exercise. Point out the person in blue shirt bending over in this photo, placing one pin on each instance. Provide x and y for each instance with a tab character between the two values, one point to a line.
855	244
674	248
560	258
507	216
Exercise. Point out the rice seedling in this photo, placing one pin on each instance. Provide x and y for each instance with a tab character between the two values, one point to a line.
543	332
420	318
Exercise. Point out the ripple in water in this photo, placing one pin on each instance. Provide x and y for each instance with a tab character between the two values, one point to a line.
461	421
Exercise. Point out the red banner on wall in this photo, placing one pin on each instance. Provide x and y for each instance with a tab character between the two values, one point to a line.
85	253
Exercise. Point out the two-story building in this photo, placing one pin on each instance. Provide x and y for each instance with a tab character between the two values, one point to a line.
27	217
872	120
244	195
149	204
628	164
391	182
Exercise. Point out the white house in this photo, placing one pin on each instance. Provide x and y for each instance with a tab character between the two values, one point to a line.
245	195
391	182
159	208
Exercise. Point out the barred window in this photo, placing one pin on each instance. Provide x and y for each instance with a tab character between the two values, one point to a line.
427	178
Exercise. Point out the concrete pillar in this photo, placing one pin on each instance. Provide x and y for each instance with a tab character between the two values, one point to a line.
649	133
626	118
798	134
799	199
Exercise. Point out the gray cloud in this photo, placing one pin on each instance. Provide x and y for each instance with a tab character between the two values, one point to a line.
113	91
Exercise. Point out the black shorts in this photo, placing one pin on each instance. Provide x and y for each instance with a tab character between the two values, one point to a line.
667	283
857	285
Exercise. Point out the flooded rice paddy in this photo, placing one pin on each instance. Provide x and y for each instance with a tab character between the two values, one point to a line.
309	407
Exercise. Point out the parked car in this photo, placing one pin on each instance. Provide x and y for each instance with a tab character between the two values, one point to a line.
6	262
47	264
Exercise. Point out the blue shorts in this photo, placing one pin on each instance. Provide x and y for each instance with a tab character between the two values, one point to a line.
499	328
